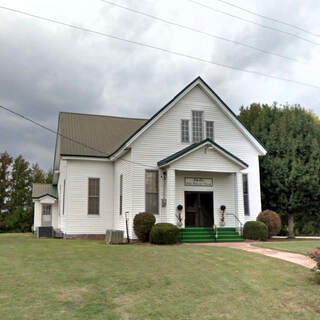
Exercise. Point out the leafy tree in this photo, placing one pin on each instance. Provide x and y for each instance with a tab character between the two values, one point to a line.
290	172
5	162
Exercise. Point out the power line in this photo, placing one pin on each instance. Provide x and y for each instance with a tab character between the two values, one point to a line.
66	137
160	49
253	22
200	31
269	18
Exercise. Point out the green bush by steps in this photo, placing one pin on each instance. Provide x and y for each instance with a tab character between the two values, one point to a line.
255	230
164	233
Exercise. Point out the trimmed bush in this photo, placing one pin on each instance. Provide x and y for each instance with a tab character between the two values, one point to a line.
272	220
164	233
142	225
255	230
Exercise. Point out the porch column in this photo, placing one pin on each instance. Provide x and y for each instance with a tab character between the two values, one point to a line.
239	197
171	196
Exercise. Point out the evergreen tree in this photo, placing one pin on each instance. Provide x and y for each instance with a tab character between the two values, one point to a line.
20	216
5	162
290	172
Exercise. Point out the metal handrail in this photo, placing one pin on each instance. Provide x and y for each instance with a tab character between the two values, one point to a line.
240	223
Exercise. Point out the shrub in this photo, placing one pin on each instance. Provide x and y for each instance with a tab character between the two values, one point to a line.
255	230
164	233
272	220
142	225
315	255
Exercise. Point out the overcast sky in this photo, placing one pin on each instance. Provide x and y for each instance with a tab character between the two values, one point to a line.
45	68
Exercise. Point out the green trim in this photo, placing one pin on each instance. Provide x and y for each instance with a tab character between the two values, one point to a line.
176	96
44	195
194	146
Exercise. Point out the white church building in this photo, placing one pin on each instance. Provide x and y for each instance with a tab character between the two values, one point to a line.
191	158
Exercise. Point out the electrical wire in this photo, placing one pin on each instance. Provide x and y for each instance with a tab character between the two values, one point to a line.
269	18
17	114
253	22
200	31
159	48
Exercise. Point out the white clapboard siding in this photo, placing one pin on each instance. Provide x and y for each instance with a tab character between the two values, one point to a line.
163	138
77	220
123	166
223	194
37	222
205	159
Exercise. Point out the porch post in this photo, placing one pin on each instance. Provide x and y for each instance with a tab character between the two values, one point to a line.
171	196
239	197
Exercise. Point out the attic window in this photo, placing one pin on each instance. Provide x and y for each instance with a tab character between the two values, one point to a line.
185	131
197	126
209	130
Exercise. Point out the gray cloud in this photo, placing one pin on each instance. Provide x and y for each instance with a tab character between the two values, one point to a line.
46	68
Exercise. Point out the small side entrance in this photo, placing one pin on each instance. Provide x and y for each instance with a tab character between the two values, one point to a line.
46	217
198	209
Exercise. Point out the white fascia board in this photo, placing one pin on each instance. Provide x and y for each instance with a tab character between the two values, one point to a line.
85	158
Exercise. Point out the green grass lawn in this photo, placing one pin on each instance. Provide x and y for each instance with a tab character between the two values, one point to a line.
82	279
298	246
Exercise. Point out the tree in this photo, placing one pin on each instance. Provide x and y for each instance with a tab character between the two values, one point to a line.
290	172
5	162
20	205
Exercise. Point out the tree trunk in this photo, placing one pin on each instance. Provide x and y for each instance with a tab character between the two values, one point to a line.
290	225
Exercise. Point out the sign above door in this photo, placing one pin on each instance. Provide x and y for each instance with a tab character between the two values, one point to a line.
199	182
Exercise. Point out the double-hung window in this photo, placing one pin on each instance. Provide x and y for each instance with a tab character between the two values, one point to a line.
94	196
152	191
185	131
245	194
197	126
209	130
121	194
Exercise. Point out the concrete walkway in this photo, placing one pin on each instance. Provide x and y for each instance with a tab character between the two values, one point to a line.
299	259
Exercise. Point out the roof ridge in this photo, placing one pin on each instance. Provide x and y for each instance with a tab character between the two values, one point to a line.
101	115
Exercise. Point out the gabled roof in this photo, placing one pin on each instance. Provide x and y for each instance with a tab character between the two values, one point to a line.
103	134
198	145
200	82
40	190
108	136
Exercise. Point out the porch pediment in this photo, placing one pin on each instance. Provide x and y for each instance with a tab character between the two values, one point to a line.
204	156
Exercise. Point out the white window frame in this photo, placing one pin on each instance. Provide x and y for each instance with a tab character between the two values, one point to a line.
197	133
207	135
93	196
246	204
185	130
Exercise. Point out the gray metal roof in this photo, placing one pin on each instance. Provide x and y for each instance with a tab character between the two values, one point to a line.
103	134
40	189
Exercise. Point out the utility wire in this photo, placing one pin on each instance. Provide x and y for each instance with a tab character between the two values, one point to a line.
269	18
159	48
200	31
253	22
66	137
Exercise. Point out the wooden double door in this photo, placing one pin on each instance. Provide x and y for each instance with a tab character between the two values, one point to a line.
198	209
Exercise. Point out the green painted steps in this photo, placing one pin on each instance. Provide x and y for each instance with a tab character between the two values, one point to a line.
207	235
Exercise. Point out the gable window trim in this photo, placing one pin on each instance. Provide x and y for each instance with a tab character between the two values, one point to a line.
121	194
245	186
185	131
93	196
197	125
152	191
210	130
